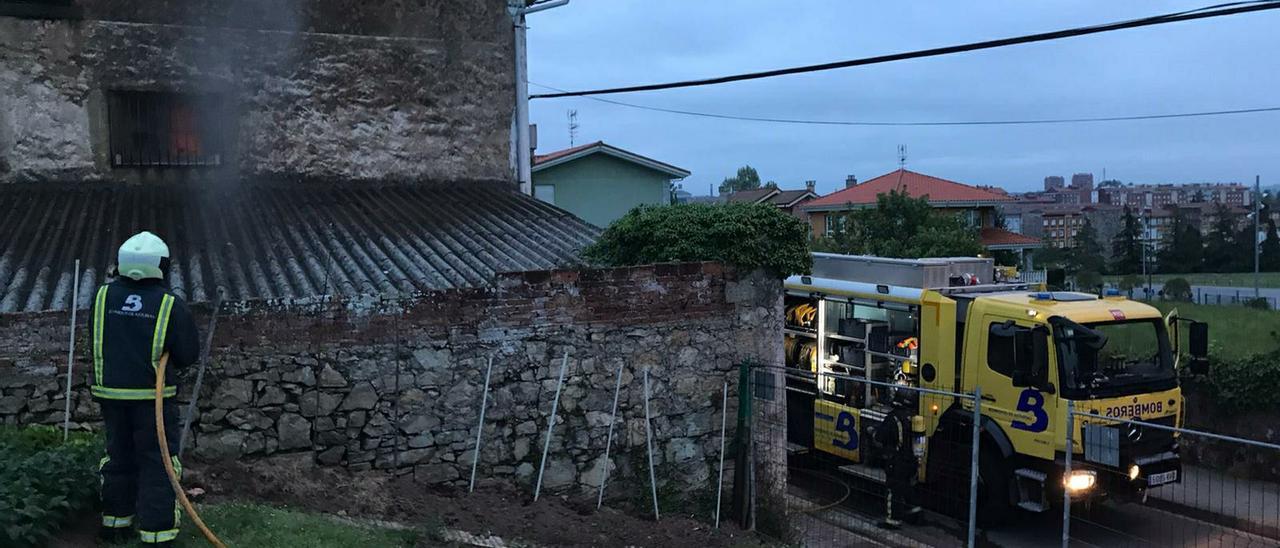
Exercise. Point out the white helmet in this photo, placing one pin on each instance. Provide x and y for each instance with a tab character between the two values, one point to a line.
143	256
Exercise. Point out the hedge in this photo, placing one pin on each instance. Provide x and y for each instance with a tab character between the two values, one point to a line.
43	481
747	236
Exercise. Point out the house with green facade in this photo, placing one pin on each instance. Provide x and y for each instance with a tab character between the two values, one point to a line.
600	182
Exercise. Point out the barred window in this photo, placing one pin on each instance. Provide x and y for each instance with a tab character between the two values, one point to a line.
164	129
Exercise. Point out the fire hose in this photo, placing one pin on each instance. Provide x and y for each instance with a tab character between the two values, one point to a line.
168	461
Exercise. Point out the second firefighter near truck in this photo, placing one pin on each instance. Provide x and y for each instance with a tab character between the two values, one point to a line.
136	320
943	325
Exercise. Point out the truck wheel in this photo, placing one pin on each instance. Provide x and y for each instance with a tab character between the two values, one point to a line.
994	507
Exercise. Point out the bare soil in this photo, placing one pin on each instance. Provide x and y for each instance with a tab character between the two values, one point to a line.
502	511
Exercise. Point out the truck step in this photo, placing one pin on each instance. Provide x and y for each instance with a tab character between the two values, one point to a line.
796	449
1032	506
865	472
1030	474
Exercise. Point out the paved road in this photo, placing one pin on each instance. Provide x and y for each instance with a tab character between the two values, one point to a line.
1217	294
1250	505
1122	525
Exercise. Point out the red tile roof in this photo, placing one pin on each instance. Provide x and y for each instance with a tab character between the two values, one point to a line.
540	158
992	237
940	191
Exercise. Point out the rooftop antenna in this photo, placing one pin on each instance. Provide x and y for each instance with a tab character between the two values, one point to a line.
902	156
573	126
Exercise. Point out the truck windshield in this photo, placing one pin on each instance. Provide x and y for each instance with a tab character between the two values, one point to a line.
1113	358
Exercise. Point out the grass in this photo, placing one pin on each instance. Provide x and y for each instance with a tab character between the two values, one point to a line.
261	526
1227	279
1234	331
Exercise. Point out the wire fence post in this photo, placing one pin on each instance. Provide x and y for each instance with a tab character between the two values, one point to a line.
613	418
551	424
648	442
71	351
973	467
1066	475
484	402
192	408
724	416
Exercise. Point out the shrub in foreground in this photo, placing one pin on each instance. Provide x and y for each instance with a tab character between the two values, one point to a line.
43	481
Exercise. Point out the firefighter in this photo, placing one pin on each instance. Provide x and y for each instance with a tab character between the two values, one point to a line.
894	437
135	321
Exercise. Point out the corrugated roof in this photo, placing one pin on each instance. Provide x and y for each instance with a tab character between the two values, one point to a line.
279	240
940	191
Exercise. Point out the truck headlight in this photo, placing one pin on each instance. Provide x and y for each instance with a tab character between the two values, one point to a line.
1080	480
1134	472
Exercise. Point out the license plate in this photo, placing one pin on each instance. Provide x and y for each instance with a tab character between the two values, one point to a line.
1162	478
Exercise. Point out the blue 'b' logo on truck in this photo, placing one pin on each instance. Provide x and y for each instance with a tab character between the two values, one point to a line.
846	424
1033	401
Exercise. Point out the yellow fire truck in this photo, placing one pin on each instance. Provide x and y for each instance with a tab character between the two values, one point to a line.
943	325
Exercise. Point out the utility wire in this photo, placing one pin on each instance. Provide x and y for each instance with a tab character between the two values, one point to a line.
1218	10
1033	121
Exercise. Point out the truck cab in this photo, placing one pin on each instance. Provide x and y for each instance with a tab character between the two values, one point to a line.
859	325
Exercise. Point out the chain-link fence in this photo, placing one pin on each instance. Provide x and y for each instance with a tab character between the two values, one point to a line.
1160	497
838	460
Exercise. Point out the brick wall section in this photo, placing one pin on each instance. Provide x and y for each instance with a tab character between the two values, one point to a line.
396	383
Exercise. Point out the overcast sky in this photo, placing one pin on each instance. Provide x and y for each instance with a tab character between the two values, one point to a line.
1222	63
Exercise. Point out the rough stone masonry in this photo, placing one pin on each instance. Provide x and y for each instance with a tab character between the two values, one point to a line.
315	89
396	384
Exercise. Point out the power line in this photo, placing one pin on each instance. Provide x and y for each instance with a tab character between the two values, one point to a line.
1218	10
931	123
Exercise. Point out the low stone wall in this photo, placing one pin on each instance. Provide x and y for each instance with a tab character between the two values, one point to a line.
396	383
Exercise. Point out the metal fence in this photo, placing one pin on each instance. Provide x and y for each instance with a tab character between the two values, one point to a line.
1173	486
831	485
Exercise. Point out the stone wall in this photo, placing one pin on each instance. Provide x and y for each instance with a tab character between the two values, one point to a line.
396	383
337	89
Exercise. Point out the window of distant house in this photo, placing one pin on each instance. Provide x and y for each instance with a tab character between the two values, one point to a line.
163	129
546	193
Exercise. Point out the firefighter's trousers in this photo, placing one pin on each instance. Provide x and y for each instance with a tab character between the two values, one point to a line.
135	487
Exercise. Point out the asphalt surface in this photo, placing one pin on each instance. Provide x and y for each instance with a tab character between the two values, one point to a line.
827	519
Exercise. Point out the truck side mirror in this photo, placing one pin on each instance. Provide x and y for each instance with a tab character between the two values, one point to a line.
1199	348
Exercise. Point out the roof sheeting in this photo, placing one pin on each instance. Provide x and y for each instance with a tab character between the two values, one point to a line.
279	240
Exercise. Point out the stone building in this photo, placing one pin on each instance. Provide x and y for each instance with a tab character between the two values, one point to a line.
152	90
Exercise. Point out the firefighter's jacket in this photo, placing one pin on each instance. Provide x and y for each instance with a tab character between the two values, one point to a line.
133	324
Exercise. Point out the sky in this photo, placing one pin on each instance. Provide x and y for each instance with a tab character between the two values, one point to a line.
1214	64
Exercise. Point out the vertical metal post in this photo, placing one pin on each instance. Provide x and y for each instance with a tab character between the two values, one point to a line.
1066	475
648	442
613	418
1257	227
724	416
551	424
522	153
973	467
484	403
204	364
71	350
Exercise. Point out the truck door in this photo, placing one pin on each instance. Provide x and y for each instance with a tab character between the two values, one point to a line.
1025	413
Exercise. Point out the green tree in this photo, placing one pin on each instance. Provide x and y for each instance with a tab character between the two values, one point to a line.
1087	254
1182	249
771	184
904	227
1089	280
1178	289
1220	246
1270	259
745	179
746	236
1126	247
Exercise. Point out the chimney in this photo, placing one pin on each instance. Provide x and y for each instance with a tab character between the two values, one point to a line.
850	181
810	185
